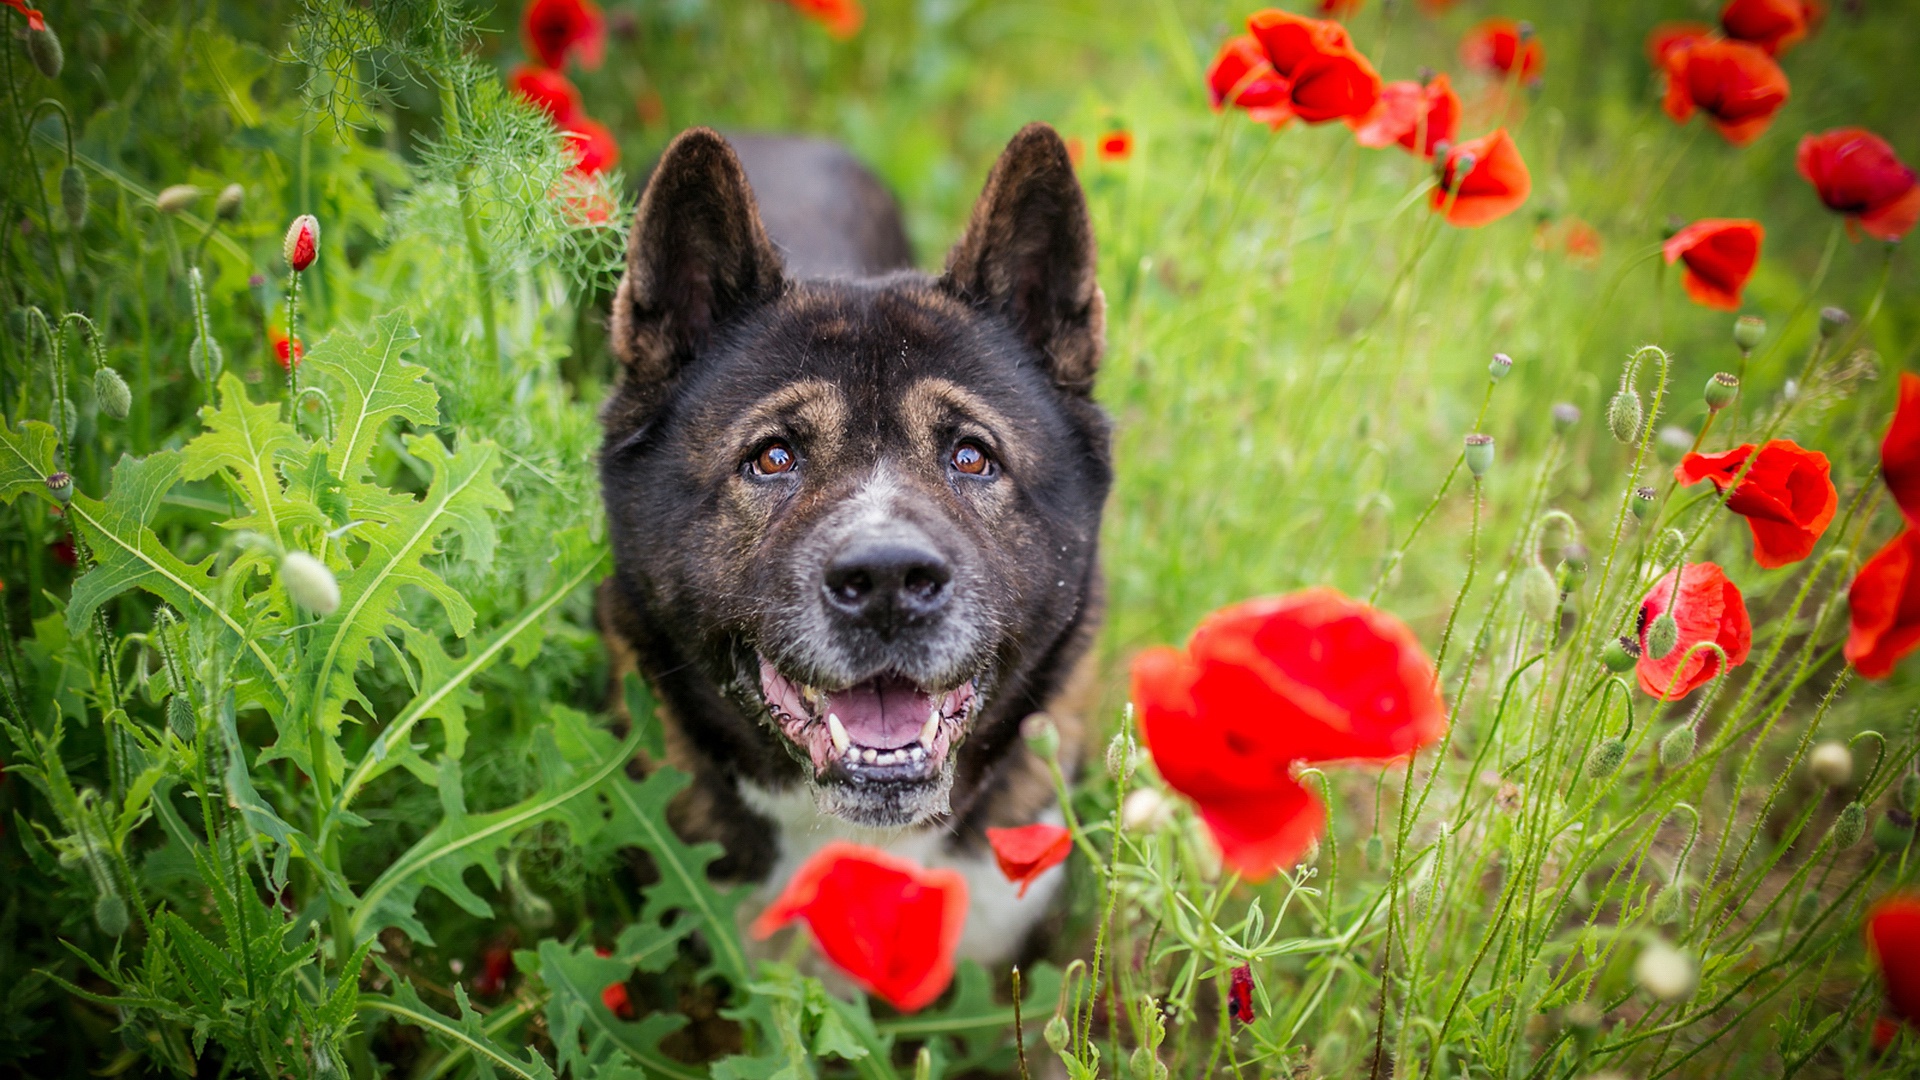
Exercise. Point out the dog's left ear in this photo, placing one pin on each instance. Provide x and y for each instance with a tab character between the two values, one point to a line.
1028	255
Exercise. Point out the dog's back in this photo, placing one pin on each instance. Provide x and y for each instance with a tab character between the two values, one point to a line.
828	215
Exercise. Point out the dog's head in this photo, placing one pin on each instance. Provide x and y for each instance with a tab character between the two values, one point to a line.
864	513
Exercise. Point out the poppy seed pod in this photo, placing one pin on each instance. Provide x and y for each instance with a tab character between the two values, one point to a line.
1479	453
1620	654
1539	598
60	486
1849	824
1831	763
175	198
1670	905
1642	502
1565	415
227	206
43	47
309	583
1662	636
302	243
1498	368
110	914
1833	320
1623	416
1676	749
73	197
1664	972
1606	757
180	717
1042	737
1721	390
1747	332
112	393
1893	832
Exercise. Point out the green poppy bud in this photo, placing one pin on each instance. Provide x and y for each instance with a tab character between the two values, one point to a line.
1119	756
180	717
1565	415
1056	1034
1662	636
1676	749
1606	757
110	914
1623	416
65	417
1479	450
1893	832
60	486
1833	320
1374	851
1849	824
73	197
1143	1065
43	48
1042	737
176	198
1721	390
112	393
1806	909
1502	363
1747	332
227	206
206	359
309	583
1642	502
1670	906
1539	597
1620	654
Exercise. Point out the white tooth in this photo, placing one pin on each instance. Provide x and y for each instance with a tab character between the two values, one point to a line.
931	728
869	755
919	753
837	733
886	757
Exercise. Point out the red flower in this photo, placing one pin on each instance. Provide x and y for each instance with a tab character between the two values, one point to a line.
1495	184
1737	85
1719	254
496	966
1893	932
1771	24
1787	496
1402	109
1029	851
1859	175
1668	36
287	351
1884	621
63	552
1340	9
614	997
888	923
1290	39
1900	450
582	202
1710	608
556	29
1582	242
1267	683
35	20
1495	48
842	18
547	90
1116	146
592	147
1241	76
1327	79
1240	993
301	245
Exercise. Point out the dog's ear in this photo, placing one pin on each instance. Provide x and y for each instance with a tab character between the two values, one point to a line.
698	256
1028	255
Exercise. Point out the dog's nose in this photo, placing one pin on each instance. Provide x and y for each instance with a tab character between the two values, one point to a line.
888	584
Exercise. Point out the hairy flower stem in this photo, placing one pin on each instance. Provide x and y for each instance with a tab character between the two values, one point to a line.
293	337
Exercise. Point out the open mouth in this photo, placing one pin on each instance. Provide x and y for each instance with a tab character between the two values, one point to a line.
887	728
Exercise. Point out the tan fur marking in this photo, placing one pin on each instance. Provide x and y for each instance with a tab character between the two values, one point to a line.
929	403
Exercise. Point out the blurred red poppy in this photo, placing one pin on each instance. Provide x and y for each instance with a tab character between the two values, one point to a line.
557	29
1709	608
1667	36
1774	25
1076	150
1893	933
1787	497
1737	85
1582	242
1029	851
1290	39
890	924
592	146
842	18
1327	78
1116	146
1339	9
1884	603
1719	255
581	200
1498	46
496	966
1265	684
1859	175
547	90
1495	183
1900	450
614	997
1240	993
63	552
1241	76
1414	116
35	20
287	352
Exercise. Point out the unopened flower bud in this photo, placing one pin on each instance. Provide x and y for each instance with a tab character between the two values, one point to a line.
1664	972
1848	824
1893	832
1374	851
1642	502
73	197
310	583
1662	636
60	486
302	243
232	198
1833	320
43	48
1806	908
1043	738
176	198
180	717
1672	443
1119	756
1565	415
1144	810
1539	597
1676	749
1501	364
1747	332
1670	906
1721	390
206	359
1620	654
1831	763
112	393
1623	416
1143	1065
110	914
1479	453
1056	1034
1606	757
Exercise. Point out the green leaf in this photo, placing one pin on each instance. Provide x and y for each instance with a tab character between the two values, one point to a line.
369	383
26	457
586	1034
490	1059
247	442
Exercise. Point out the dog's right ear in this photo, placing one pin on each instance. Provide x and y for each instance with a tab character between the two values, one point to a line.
698	256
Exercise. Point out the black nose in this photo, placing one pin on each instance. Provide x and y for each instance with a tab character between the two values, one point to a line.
887	585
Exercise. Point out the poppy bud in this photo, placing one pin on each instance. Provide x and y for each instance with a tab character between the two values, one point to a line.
1662	636
1623	416
1893	832
1721	390
1620	654
1678	746
1375	852
60	485
1539	598
1673	443
1747	332
1042	737
180	717
73	197
1805	908
1833	320
1606	757
112	393
302	243
227	206
1056	1034
110	914
1502	363
1642	502
43	47
1670	905
176	198
310	583
1144	809
1119	756
1664	972
1565	415
1831	763
1479	454
1910	792
1849	824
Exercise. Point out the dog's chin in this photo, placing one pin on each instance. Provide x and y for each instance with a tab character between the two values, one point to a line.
880	752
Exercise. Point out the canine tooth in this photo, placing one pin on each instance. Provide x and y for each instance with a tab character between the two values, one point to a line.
869	755
930	729
837	733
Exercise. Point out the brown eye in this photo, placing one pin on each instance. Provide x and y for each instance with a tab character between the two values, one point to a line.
971	458
775	458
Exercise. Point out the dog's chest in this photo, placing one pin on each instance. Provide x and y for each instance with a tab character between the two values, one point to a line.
998	918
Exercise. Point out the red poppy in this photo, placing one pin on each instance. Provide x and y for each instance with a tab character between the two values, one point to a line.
1859	175
63	552
1893	932
1884	620
35	20
1495	184
1900	450
1737	85
496	966
886	922
1771	24
1582	242
1029	851
1290	39
591	146
547	90
1719	255
1240	993
288	351
1340	9
1241	76
1327	78
1787	497
1116	146
1267	683
556	29
615	998
1495	47
582	201
1710	608
1402	110
1668	36
842	18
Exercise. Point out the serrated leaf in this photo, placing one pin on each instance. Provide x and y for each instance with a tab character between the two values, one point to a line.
587	1036
466	1031
26	457
246	443
369	383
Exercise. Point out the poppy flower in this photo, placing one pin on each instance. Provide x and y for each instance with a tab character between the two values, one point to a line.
547	90
592	147
1884	603
1668	36
1290	39
1736	84
1771	24
1116	146
581	201
1340	9
1893	932
1496	181
1709	608
615	998
35	20
1029	851
301	245
1242	76
842	18
1326	77
1857	174
886	922
288	351
1719	255
1402	110
63	552
1582	242
1787	497
1265	684
1900	450
1498	46
556	29
496	966
1240	993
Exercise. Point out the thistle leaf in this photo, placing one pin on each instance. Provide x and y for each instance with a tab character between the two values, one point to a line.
587	1036
369	384
246	442
466	1032
26	457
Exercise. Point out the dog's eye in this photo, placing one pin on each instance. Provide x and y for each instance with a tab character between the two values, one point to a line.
775	458
971	458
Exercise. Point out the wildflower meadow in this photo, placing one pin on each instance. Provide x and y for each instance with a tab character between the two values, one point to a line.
1511	576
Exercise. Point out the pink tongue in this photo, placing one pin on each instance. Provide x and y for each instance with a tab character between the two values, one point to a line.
885	713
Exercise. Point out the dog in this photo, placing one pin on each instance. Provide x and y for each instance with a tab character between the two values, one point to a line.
854	508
